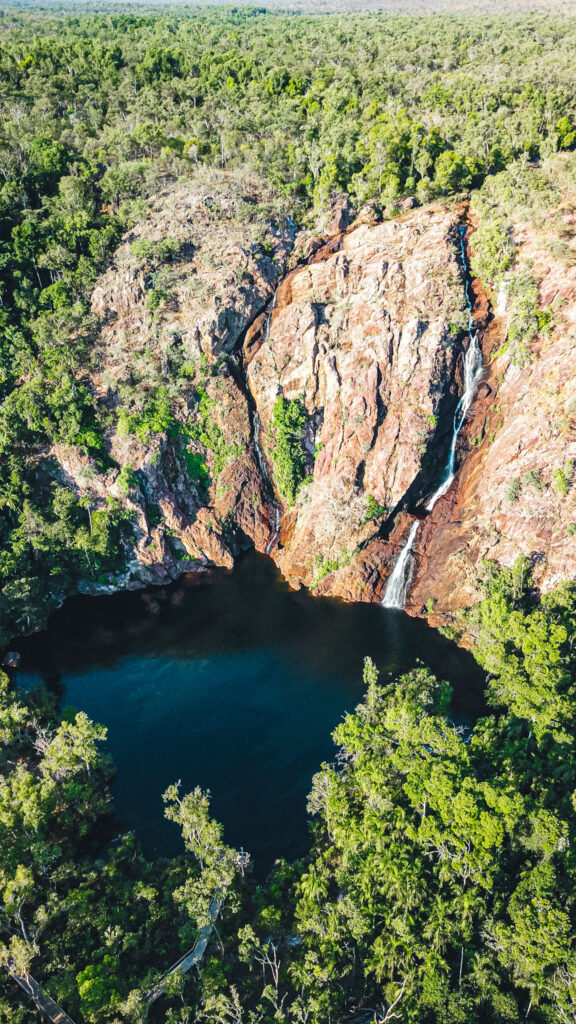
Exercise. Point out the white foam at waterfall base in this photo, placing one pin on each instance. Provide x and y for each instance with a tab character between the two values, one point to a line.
401	576
399	581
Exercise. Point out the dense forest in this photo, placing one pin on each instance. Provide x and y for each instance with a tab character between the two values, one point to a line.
440	882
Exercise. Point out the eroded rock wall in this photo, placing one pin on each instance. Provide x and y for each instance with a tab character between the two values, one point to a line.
509	497
166	328
368	330
369	338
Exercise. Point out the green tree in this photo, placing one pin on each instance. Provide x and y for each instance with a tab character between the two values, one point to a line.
289	453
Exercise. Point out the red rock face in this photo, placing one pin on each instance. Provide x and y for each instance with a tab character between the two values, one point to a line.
361	336
366	337
525	425
507	498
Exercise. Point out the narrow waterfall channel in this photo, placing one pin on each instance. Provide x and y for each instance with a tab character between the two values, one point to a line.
400	578
273	504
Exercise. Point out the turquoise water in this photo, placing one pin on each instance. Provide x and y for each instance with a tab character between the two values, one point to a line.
232	682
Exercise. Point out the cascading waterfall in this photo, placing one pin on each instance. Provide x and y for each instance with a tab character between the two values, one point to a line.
276	530
399	581
401	575
472	372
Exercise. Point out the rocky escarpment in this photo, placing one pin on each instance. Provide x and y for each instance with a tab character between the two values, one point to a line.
210	313
200	332
368	337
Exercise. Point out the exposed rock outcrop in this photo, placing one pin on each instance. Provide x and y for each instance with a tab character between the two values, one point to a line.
364	323
170	316
514	491
368	338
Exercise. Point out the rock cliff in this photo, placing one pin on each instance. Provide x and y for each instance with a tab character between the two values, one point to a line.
184	286
211	312
514	492
368	336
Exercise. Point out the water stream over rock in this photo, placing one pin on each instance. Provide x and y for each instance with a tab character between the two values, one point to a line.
400	577
399	581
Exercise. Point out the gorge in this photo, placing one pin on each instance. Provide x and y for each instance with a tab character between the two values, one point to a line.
288	513
360	308
369	329
343	331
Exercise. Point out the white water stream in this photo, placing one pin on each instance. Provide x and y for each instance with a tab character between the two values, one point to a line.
275	530
401	575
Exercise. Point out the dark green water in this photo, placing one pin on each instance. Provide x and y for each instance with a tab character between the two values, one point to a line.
232	682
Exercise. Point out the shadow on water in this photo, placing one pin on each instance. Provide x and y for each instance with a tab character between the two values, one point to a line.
233	682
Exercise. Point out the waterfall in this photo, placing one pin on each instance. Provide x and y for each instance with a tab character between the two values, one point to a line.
400	578
472	371
276	531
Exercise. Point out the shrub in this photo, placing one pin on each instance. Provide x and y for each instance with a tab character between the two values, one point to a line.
324	566
533	479
155	417
156	298
155	253
544	318
124	181
127	479
289	455
513	489
493	247
524	317
373	509
154	513
562	478
562	252
197	471
211	435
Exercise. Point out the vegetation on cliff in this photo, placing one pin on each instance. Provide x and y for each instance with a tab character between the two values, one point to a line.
517	193
289	454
